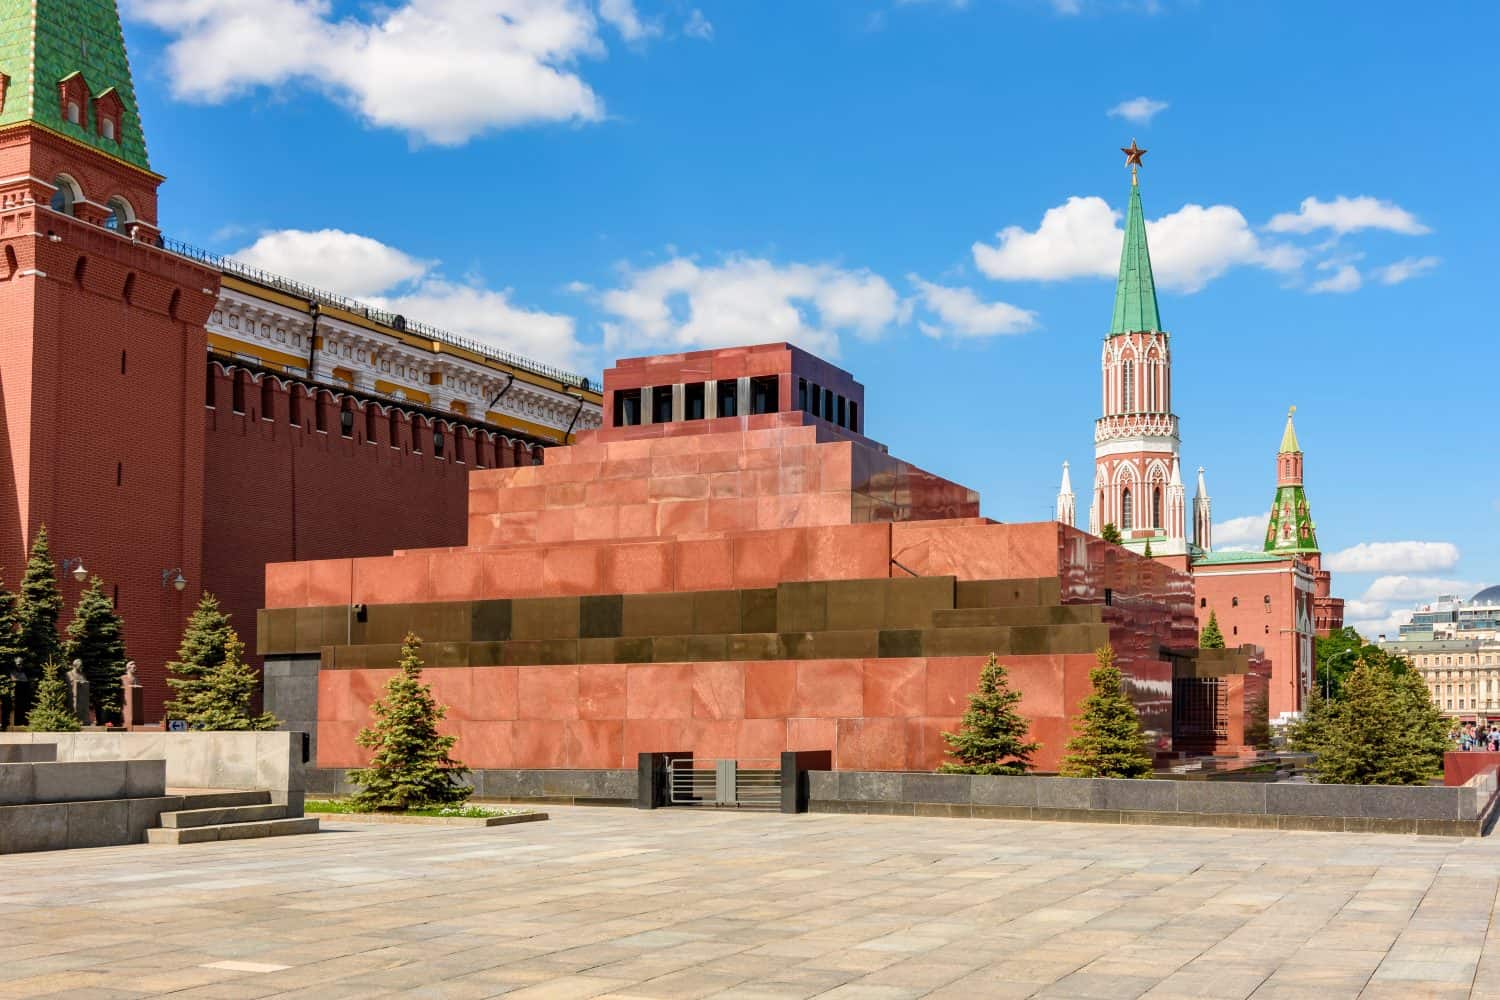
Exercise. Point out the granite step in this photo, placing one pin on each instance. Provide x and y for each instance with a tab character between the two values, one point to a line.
233	831
184	818
220	799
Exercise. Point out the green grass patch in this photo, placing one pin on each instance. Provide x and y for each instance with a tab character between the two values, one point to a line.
336	806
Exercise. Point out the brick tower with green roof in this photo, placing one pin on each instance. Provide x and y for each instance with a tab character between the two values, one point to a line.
102	339
70	128
1291	530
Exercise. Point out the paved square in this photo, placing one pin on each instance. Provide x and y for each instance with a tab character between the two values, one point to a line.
677	903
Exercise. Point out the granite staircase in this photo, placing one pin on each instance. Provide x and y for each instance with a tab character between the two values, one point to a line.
214	816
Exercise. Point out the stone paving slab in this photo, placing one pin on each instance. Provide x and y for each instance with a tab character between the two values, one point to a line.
613	903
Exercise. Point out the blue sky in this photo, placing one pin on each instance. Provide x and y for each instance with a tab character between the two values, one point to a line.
926	191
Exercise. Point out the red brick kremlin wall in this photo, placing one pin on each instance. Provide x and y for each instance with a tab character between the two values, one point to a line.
278	491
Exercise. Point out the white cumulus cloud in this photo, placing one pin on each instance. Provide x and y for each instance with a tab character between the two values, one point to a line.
1241	534
442	71
622	15
1406	269
1394	557
1347	215
1417	588
681	304
1345	278
1138	109
961	313
1082	237
342	262
387	278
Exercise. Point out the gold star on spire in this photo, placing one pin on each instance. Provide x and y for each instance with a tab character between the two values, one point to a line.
1133	154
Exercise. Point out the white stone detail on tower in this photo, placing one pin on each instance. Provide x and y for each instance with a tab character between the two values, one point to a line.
1176	504
1067	511
1203	517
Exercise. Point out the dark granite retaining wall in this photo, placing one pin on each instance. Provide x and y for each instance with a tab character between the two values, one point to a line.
1467	811
560	787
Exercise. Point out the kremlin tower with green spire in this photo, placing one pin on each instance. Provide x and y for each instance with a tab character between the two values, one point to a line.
1137	485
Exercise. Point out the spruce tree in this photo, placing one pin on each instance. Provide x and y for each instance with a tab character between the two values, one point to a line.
228	693
1147	551
96	637
1381	729
992	737
53	711
1211	637
1111	534
9	649
411	766
1108	742
205	643
41	604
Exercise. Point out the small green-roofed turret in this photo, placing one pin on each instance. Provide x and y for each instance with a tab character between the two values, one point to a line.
50	49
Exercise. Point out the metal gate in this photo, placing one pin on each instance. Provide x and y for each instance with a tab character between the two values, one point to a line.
733	784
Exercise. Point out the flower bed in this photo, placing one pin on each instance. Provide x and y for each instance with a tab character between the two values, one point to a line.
434	816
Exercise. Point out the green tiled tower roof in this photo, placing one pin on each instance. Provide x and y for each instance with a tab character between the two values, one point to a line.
1291	529
1135	293
42	42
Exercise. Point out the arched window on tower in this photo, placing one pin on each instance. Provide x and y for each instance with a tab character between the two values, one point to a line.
65	194
120	215
1127	377
1127	510
1156	521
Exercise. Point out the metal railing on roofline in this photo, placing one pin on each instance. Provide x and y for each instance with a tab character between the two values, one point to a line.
395	321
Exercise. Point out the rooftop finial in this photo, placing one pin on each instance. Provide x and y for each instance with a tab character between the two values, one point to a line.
1133	154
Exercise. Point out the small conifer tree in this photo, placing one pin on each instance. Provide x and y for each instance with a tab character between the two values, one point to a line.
205	644
225	702
1111	534
9	650
1382	729
1107	741
53	711
96	638
1212	637
992	737
412	766
1147	552
36	635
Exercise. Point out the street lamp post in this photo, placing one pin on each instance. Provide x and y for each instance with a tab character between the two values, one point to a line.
173	578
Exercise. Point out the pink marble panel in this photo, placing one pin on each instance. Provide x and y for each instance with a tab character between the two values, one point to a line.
596	743
485	744
601	691
659	691
871	745
540	743
812	734
718	690
547	692
703	564
770	689
456	576
895	687
516	573
575	569
453	688
494	693
761	739
849	552
829	688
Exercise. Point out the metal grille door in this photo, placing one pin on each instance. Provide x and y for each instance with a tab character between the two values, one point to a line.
724	783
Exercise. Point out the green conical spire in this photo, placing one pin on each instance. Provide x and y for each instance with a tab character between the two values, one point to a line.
1135	293
1289	444
42	43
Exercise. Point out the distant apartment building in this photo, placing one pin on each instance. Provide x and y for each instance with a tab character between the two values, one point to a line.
1455	645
